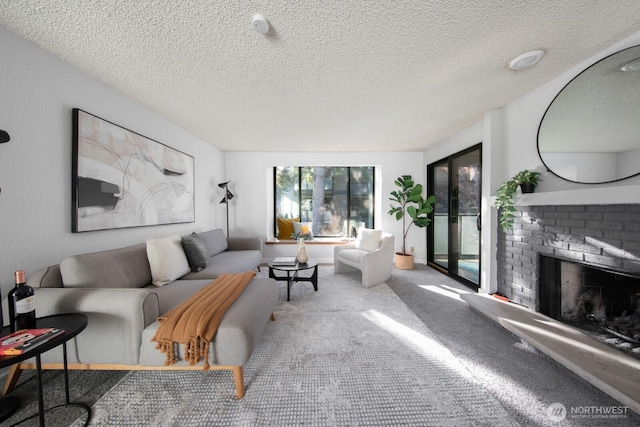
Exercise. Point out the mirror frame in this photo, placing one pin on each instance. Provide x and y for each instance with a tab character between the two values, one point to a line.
551	104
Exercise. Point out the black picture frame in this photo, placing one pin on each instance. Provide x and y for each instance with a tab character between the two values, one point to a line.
123	179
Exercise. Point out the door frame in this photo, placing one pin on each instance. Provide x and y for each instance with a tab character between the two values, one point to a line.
430	229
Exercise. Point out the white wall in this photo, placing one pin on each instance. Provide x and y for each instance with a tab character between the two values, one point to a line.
584	167
627	162
521	120
251	175
509	137
37	93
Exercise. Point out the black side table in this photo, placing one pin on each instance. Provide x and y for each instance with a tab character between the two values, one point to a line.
72	324
293	274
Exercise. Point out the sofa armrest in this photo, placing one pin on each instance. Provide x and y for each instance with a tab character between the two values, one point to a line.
116	319
245	243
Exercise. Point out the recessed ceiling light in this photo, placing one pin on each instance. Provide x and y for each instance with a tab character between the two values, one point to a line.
526	60
632	65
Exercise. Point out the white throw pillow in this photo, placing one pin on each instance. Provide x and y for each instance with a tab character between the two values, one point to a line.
166	259
368	239
307	227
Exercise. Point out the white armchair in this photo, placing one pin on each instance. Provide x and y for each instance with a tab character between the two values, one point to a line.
375	264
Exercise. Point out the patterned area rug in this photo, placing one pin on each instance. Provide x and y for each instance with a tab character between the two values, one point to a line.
344	355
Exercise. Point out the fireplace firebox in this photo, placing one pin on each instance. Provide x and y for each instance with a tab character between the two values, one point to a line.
605	303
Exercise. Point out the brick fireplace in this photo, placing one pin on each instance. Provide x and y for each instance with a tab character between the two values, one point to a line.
600	235
604	237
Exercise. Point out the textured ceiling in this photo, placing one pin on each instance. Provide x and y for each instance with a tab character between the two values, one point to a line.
330	75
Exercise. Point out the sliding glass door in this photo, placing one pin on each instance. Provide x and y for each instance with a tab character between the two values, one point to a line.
454	233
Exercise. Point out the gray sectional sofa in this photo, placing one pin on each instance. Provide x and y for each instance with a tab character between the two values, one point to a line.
114	289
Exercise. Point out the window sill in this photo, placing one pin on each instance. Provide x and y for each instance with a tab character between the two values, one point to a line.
319	241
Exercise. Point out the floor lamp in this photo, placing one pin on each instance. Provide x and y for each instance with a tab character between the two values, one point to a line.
8	404
228	195
4	137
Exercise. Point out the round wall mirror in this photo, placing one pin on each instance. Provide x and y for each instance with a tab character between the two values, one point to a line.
590	132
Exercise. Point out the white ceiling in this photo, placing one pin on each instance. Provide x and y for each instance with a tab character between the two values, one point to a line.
331	75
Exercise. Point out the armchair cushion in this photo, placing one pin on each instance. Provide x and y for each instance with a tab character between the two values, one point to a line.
353	255
368	240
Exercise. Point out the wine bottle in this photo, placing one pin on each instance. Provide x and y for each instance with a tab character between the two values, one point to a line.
22	305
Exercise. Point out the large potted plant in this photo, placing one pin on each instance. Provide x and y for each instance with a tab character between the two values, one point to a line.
506	195
411	208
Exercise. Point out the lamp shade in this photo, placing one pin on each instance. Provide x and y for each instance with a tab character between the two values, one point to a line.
228	196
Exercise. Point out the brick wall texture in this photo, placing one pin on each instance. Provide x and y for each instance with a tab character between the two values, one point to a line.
602	235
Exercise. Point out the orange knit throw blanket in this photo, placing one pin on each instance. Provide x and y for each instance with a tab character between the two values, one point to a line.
195	322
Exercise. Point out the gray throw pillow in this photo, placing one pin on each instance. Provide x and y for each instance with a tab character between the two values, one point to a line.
195	248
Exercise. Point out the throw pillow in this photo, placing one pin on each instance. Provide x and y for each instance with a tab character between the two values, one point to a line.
166	259
195	248
285	227
368	239
303	228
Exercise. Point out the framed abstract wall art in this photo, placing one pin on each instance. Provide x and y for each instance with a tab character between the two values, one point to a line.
123	179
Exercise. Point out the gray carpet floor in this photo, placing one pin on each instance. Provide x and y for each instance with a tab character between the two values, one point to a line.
522	380
525	381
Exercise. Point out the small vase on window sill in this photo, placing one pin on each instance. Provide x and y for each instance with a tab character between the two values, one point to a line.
302	256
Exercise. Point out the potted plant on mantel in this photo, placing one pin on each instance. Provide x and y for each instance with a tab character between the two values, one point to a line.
410	206
506	195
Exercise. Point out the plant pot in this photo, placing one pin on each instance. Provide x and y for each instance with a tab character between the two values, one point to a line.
527	187
404	262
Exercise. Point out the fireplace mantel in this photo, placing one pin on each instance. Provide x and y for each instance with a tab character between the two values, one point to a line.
592	195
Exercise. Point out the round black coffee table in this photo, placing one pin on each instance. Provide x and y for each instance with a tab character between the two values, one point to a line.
293	274
72	324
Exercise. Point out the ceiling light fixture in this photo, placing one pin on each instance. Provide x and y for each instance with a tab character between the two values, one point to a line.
260	24
526	60
632	65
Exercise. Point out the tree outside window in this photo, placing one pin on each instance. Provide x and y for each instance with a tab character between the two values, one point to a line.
334	199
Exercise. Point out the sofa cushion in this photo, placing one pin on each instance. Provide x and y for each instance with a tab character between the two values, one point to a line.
285	228
368	239
215	240
166	259
117	268
228	262
195	248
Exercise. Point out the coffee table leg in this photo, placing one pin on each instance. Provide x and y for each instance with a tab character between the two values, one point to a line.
66	372
314	278
40	394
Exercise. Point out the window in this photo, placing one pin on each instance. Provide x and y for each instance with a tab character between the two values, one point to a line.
333	199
